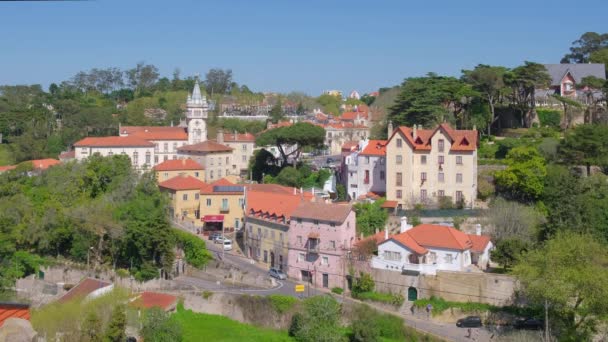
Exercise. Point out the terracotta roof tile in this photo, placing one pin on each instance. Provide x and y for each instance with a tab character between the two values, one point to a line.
83	289
7	168
14	310
67	155
129	141
155	132
322	211
43	164
205	146
208	189
375	148
149	300
269	205
182	183
480	242
406	240
238	137
461	140
430	235
389	204
178	164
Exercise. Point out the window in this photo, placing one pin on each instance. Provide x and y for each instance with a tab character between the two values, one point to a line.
244	159
449	258
208	202
366	160
83	151
174	157
265	256
399	142
398	194
196	174
110	153
241	202
211	161
211	174
333	224
224	203
299	220
316	222
299	239
332	244
366	180
219	160
440	145
227	160
325	261
459	197
399	179
135	158
155	159
458	160
174	146
148	158
398	159
301	256
196	196
440	177
156	147
272	235
459	178
219	173
259	233
432	257
166	147
166	174
281	236
423	176
423	160
441	193
237	223
185	197
423	195
165	158
382	176
392	256
440	159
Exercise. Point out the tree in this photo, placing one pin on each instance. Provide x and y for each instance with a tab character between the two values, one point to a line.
263	163
276	113
524	177
364	283
568	275
600	56
562	215
524	80
370	217
589	85
511	220
142	77
158	327
301	134
508	251
218	81
320	321
330	104
582	48
341	193
115	332
567	104
586	145
488	81
90	331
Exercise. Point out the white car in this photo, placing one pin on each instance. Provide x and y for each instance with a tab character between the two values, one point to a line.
227	244
277	273
219	239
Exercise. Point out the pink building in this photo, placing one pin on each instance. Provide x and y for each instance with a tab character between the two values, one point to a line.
320	235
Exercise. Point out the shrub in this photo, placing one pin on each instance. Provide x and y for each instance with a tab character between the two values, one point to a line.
365	283
507	144
369	324
282	303
337	290
122	273
549	117
195	250
207	294
440	305
297	321
388	298
363	331
485	185
487	150
445	202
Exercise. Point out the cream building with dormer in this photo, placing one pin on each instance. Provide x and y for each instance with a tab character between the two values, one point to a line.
424	165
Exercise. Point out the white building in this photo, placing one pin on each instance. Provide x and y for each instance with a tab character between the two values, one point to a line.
428	248
364	170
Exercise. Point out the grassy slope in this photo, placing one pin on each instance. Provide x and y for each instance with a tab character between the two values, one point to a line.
6	156
198	327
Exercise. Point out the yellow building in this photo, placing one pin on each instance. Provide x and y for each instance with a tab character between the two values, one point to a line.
179	167
222	202
216	159
184	194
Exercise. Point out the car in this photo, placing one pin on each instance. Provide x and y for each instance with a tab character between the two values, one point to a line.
329	161
277	273
529	324
220	239
214	236
469	322
227	244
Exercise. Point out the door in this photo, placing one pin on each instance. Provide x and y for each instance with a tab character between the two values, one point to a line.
412	294
325	280
271	259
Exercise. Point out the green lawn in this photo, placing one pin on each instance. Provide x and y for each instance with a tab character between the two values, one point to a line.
204	327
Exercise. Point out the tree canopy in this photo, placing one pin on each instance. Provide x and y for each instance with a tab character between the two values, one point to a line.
301	134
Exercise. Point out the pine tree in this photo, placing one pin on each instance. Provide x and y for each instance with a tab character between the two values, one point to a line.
90	330
116	329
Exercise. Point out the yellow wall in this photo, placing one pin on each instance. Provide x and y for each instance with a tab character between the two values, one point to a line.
162	176
178	205
234	212
264	236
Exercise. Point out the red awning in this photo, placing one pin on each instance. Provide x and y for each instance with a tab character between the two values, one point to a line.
213	218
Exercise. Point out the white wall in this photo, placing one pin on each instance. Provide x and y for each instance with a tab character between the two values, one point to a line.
85	152
170	153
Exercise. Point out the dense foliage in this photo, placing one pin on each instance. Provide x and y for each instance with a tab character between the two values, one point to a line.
370	217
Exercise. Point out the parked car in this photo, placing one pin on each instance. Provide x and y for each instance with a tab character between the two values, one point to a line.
227	244
329	161
469	322
220	239
529	324
214	236
277	273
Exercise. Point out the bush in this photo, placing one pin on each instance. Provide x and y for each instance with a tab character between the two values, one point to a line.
445	202
122	273
388	298
485	185
363	331
297	321
337	290
507	144
195	250
207	294
364	283
440	305
369	324
549	117
282	303
487	150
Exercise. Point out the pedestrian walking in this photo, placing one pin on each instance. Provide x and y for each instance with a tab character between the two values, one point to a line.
413	309
429	307
469	333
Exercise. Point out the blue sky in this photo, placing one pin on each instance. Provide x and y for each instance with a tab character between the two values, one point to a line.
288	45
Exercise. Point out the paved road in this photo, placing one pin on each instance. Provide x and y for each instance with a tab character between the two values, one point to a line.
445	331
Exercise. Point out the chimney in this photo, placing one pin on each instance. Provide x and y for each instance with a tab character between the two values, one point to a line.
414	132
220	136
404	225
385	233
478	229
390	128
295	191
376	231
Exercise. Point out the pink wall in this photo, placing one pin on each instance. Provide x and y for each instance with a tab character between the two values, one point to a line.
343	235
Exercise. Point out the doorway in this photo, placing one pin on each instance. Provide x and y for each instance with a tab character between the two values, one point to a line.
271	259
412	294
325	280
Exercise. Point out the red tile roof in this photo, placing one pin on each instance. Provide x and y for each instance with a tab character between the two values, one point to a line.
129	141
182	183
460	140
349	146
43	164
480	242
353	115
205	146
155	132
238	137
14	310
371	195
178	165
409	242
424	236
389	204
375	148
322	211
272	206
149	300
83	289
7	168
67	155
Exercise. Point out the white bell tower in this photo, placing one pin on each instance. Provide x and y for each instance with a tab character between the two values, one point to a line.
196	116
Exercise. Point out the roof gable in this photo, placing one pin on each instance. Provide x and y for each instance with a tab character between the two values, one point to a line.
182	183
178	165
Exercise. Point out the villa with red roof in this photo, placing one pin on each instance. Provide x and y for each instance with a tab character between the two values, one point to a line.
428	248
179	167
425	165
364	170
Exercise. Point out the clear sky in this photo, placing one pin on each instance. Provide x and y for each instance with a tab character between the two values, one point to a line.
285	45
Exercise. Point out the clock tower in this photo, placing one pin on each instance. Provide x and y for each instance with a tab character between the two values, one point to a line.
196	116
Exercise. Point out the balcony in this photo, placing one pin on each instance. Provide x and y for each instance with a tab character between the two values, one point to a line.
312	248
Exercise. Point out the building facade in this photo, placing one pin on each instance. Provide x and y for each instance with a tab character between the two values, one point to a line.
179	167
216	159
242	146
184	195
320	235
141	152
423	166
364	170
222	200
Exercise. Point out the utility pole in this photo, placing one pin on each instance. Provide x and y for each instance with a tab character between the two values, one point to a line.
546	321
